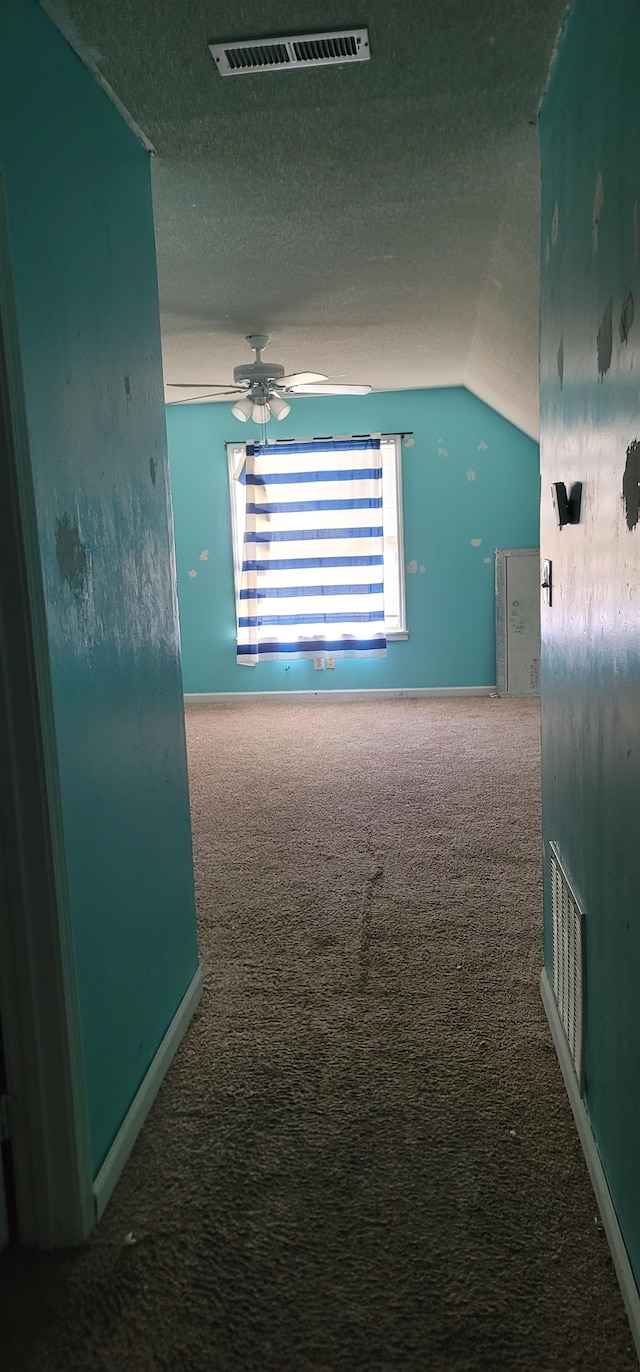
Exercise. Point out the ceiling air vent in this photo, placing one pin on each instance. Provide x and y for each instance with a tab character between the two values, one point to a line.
283	54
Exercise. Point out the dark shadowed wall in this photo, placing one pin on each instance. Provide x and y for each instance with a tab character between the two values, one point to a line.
590	371
81	230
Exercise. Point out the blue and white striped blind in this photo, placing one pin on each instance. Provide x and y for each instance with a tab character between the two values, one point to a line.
312	570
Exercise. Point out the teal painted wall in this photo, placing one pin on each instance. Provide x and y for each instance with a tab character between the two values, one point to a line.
470	475
81	229
590	134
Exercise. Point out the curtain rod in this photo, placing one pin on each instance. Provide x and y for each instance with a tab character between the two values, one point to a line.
337	438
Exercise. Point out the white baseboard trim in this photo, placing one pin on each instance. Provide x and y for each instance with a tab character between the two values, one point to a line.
624	1272
392	692
127	1134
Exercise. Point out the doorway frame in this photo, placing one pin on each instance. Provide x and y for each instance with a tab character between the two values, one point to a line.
39	1007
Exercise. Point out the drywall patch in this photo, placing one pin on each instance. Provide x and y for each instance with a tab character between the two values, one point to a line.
605	340
412	567
71	554
627	316
204	556
482	447
471	476
488	559
631	485
152	471
598	202
193	573
476	542
561	361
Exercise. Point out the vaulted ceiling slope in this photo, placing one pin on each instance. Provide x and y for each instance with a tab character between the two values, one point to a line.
378	219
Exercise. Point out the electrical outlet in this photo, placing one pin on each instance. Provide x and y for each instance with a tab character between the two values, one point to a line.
331	662
318	663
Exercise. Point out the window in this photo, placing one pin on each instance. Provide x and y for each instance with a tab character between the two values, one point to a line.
393	567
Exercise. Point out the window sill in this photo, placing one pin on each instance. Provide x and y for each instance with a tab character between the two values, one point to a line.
397	635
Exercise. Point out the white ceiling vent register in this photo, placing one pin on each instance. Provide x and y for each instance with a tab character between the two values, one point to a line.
283	54
567	958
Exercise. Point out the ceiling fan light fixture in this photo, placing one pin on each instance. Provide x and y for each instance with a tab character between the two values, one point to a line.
266	389
279	407
242	409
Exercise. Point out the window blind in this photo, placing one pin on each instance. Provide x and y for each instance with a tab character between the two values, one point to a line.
313	551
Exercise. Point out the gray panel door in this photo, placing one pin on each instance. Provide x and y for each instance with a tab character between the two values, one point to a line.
518	621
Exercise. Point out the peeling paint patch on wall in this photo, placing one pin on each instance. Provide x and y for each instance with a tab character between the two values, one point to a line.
476	542
482	447
631	485
71	554
412	567
598	202
204	556
605	340
471	476
193	573
627	316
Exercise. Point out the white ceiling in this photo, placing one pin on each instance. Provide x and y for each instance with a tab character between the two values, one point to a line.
379	220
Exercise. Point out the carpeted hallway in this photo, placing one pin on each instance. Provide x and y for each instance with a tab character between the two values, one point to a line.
363	1159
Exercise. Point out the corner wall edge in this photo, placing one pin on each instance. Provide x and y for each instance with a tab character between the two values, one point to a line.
615	1240
121	1148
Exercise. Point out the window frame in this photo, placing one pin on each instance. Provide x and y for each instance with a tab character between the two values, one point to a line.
236	452
395	441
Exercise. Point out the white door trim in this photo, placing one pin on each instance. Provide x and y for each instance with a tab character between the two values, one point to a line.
38	993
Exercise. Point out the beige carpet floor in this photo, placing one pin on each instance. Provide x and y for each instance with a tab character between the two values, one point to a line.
363	1158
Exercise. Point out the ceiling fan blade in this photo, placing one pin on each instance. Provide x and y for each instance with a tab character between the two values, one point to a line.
200	385
330	389
211	395
301	379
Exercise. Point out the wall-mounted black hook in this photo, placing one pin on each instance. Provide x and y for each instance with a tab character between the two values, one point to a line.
575	502
567	507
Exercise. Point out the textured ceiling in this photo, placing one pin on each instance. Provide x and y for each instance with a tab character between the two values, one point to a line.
379	220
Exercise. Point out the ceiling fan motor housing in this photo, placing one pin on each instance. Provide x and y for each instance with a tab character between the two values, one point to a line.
261	372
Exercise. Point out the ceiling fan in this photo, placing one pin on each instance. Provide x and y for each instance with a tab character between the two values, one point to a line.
262	387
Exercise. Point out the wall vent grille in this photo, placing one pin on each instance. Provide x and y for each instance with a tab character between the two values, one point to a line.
283	54
567	958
